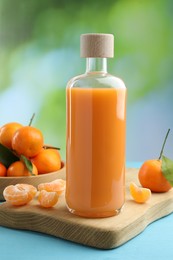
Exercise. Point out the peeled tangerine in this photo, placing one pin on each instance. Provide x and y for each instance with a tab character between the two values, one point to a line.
19	194
47	199
140	195
50	191
57	186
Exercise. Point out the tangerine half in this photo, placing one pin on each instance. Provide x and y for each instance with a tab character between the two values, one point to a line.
29	188
57	186
47	199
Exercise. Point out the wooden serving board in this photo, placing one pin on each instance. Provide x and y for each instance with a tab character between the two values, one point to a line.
101	233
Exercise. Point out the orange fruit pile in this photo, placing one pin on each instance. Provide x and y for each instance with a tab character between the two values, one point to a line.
22	194
28	142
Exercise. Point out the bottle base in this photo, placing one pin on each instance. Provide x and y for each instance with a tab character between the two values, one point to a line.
105	214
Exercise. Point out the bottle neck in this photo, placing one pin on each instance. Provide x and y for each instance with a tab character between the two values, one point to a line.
96	65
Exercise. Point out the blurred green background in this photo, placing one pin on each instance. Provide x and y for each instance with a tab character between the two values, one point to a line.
39	53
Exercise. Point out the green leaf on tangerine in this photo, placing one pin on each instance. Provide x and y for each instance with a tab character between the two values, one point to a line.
7	157
167	169
28	164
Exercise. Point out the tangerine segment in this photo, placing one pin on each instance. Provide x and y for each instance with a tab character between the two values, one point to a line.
6	133
27	141
47	160
47	199
57	186
140	195
19	194
3	170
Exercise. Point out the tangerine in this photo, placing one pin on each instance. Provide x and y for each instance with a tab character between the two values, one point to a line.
6	133
47	199
3	170
150	176
47	160
29	188
27	141
140	195
57	186
19	194
18	169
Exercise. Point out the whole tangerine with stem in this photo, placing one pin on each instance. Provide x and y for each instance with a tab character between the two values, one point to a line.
150	174
18	169
6	133
47	160
27	141
3	170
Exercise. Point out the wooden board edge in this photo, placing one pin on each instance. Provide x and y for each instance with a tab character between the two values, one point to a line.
85	235
153	214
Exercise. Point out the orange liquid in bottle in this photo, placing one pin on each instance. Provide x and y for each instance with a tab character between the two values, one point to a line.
95	151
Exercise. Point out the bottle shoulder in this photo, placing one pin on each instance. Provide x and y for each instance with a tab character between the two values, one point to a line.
96	80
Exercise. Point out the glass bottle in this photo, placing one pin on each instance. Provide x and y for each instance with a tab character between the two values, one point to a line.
95	144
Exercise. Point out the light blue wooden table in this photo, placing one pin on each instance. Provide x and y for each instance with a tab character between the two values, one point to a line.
156	242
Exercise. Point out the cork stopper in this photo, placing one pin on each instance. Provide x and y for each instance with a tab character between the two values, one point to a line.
98	45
